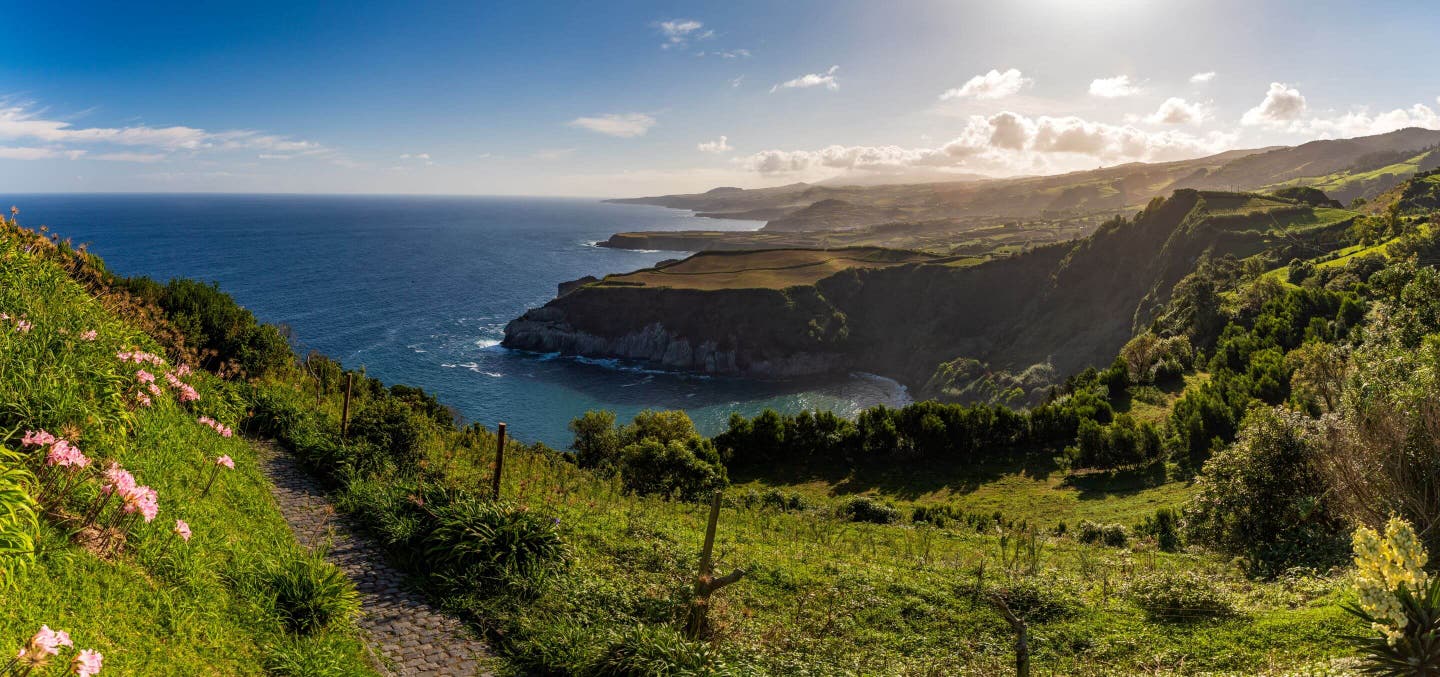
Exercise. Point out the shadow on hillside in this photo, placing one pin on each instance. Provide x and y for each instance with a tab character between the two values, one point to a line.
908	479
1117	483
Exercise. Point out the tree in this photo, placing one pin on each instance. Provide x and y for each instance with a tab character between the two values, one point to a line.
597	444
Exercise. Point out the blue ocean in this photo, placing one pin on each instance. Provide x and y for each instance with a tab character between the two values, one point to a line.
417	290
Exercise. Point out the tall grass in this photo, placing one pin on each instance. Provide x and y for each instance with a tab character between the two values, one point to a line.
152	603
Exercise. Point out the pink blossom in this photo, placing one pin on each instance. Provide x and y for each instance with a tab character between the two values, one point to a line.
143	500
154	389
144	399
226	461
89	335
63	454
145	376
188	394
47	642
206	421
183	370
174	381
225	431
87	663
37	438
182	530
23	326
118	480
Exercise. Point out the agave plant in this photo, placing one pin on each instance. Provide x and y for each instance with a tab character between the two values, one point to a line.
1417	651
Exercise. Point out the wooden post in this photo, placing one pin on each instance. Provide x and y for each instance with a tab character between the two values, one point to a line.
499	461
1022	636
706	584
345	414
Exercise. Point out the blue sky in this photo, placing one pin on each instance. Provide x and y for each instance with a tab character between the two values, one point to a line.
628	98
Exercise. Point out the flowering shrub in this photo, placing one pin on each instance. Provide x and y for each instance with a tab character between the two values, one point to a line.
46	644
1399	600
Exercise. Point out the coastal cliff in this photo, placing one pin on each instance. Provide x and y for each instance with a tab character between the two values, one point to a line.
1059	308
750	332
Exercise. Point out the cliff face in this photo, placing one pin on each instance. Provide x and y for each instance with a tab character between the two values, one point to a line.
750	332
1070	305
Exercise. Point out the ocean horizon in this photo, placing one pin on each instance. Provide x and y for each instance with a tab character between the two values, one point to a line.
417	289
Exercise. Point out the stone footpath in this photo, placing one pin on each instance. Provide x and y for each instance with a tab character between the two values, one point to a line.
414	637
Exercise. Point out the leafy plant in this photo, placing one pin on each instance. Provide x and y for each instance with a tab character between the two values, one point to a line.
482	543
307	593
1184	596
866	509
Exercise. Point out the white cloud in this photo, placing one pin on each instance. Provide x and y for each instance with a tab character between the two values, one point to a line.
678	32
1283	106
1177	111
719	145
131	157
30	153
20	122
1362	123
414	156
826	80
623	125
1114	88
1202	78
1006	142
735	82
992	85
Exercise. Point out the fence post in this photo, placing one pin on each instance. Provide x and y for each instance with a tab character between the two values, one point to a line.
345	414
1022	636
706	584
499	461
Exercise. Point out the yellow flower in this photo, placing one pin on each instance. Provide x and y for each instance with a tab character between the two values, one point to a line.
1383	568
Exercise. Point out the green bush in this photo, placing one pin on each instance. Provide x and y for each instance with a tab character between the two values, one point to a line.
866	509
306	592
391	432
1113	535
1036	602
1265	497
479	543
653	651
1179	597
685	469
322	655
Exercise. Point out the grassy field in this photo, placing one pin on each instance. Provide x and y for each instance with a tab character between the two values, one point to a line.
766	269
150	602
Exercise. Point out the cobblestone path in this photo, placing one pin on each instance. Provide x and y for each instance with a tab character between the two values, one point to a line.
413	637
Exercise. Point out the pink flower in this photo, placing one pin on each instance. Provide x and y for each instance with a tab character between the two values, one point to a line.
226	461
182	530
47	642
143	500
145	376
188	394
183	370
63	454
87	663
117	480
23	326
143	399
37	438
225	431
154	389
89	335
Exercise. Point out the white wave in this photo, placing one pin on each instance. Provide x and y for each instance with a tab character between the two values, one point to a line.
487	343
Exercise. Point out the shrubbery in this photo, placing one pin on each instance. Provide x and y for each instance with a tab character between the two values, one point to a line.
306	592
1179	597
1113	535
866	509
659	452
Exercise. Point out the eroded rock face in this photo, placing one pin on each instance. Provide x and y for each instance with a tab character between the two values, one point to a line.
548	330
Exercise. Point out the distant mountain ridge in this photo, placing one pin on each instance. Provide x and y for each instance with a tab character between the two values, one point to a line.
1109	190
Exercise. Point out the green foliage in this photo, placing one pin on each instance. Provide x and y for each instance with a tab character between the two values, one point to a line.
1184	596
866	509
1265	497
685	469
1417	651
482	544
305	591
1113	535
597	442
1123	442
1165	527
214	323
19	517
390	431
646	651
